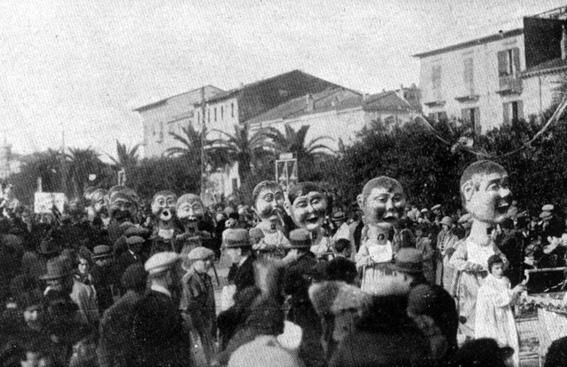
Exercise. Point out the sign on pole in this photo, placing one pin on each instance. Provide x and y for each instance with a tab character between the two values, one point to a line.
45	201
286	170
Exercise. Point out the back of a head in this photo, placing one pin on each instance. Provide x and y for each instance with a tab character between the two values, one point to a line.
261	352
480	352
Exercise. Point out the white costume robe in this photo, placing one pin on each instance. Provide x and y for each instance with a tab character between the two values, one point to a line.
494	318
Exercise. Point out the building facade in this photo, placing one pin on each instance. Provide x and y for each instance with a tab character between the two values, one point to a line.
494	80
336	113
162	118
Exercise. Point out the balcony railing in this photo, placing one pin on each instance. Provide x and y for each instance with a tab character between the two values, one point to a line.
510	84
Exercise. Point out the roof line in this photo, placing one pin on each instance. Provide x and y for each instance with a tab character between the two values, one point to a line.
158	102
474	42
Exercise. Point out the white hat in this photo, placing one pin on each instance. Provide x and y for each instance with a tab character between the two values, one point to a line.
161	262
547	208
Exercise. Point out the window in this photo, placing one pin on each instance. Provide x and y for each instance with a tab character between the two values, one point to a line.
222	112
513	111
215	111
438	116
472	116
468	75
232	109
436	81
198	117
209	115
508	62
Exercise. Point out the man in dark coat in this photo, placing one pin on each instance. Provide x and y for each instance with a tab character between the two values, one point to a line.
384	336
427	301
104	277
239	249
297	279
116	323
159	337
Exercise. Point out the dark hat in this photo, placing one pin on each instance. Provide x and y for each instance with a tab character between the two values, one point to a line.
57	268
48	246
300	238
256	233
134	277
237	238
481	352
101	252
27	300
408	260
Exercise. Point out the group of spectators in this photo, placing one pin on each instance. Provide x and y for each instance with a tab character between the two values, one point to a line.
80	292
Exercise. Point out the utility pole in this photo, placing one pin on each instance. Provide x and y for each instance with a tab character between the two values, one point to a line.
203	142
63	164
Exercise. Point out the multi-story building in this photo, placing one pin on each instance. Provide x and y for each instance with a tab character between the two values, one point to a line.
9	162
338	113
170	115
486	81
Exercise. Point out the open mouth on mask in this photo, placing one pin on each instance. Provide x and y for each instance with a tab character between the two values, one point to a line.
165	215
502	206
312	219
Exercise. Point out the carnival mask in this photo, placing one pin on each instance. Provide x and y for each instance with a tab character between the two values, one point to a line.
190	209
123	207
163	205
385	205
308	211
270	201
487	197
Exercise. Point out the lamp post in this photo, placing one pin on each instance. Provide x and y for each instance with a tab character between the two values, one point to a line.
286	170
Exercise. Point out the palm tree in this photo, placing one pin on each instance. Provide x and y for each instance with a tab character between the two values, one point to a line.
292	141
83	162
239	147
125	158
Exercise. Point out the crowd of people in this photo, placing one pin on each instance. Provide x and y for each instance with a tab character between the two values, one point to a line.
113	281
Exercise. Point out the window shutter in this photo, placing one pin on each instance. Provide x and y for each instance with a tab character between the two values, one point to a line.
436	81
465	114
506	113
520	110
477	128
502	63
516	59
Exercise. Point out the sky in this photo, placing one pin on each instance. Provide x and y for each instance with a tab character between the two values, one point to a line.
78	68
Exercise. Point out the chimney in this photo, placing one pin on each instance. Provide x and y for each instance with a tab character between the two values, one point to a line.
310	104
563	43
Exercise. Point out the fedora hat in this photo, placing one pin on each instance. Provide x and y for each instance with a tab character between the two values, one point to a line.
448	221
408	260
339	215
237	238
57	268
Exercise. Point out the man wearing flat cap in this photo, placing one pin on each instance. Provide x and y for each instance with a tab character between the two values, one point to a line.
298	276
159	337
198	297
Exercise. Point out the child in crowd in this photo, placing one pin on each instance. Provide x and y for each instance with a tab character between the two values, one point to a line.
373	257
494	317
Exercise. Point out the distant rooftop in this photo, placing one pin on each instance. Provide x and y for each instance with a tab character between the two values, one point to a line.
471	43
196	92
547	67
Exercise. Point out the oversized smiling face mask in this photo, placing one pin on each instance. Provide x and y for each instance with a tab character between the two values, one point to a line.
383	201
123	205
487	197
163	204
308	211
190	209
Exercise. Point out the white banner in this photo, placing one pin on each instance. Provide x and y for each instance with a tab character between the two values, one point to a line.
44	201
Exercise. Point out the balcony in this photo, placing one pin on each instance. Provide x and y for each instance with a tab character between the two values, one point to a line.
432	104
509	84
467	98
